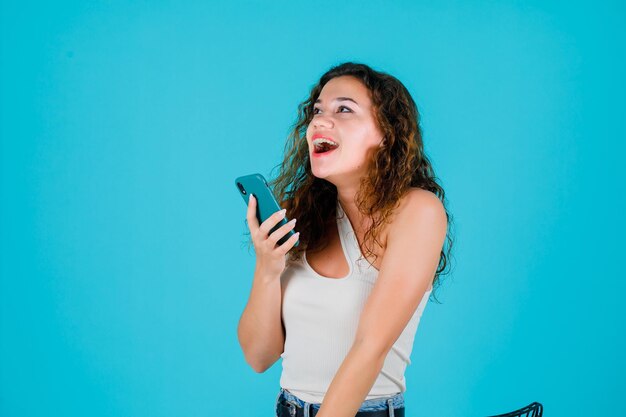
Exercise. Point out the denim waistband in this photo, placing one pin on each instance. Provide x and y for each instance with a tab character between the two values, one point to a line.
374	404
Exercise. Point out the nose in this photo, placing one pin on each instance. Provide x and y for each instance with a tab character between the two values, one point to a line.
321	121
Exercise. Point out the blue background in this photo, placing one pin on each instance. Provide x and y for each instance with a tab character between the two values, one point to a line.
124	265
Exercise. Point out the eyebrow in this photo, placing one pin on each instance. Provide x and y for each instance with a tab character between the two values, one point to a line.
340	99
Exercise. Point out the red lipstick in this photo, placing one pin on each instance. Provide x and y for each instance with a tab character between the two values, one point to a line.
321	135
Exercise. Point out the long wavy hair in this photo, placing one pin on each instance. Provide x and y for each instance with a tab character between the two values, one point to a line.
399	164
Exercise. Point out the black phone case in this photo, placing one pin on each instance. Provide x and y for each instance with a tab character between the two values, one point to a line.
266	202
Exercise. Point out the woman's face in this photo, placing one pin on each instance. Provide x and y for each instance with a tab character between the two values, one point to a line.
343	113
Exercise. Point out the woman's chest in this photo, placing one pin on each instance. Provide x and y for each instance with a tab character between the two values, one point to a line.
331	261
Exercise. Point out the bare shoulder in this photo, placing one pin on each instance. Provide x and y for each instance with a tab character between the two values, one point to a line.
416	207
420	200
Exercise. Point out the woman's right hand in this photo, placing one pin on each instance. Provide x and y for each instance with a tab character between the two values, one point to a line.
270	258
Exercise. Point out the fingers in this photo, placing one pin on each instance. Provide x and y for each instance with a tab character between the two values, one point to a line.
271	221
268	224
260	233
278	234
288	244
253	222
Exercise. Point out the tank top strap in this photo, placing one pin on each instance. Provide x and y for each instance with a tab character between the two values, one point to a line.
347	235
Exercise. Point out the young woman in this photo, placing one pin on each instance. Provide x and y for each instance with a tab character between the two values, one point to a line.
341	309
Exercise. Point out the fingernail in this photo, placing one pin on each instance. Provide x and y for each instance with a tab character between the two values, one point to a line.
292	221
283	211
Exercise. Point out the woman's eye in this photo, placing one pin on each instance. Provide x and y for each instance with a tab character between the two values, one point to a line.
340	107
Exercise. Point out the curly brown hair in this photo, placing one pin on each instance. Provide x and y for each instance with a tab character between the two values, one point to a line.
399	164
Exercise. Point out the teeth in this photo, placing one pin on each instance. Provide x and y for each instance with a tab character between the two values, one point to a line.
319	141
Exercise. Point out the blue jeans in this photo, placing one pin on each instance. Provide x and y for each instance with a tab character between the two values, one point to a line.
393	401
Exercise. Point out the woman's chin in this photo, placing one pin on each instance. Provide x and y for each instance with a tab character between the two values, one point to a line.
320	173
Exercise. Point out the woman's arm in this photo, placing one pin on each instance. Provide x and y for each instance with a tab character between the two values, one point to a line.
260	330
407	270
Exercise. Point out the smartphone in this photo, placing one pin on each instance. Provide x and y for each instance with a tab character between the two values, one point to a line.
266	202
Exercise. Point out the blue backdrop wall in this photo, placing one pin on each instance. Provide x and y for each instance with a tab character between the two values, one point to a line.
124	268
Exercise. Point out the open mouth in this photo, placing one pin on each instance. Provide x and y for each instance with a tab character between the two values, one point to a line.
324	146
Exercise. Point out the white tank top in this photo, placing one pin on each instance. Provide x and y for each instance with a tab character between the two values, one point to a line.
321	316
